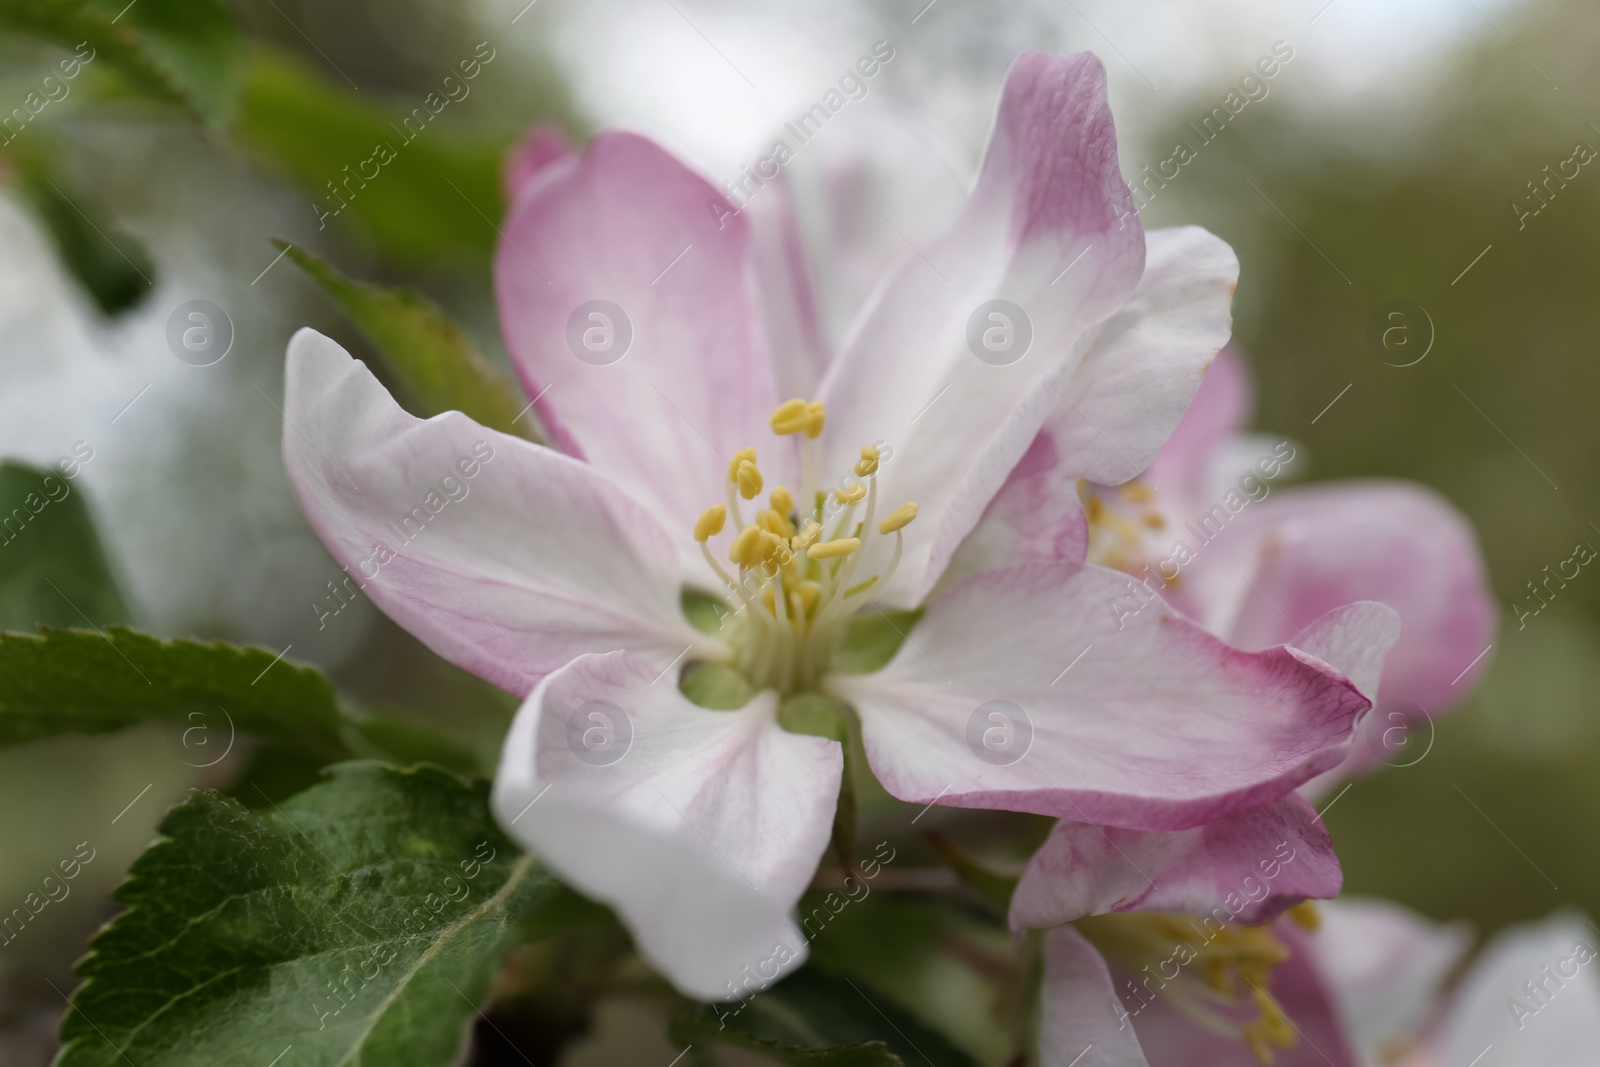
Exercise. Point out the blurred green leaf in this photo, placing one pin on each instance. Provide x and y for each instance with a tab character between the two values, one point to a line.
186	51
358	922
433	356
53	569
406	740
701	1029
92	681
112	267
992	885
815	1012
438	196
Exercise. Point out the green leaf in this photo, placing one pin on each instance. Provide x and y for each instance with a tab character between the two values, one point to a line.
706	612
704	1029
439	196
994	886
360	922
113	268
53	570
872	639
406	740
814	1011
185	51
717	686
433	356
91	681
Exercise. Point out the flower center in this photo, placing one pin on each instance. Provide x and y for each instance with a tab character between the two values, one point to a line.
1218	975
797	561
1125	524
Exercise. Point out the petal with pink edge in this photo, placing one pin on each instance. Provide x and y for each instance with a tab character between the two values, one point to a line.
909	374
1317	548
702	828
543	145
1146	362
504	557
1253	863
1079	1009
1026	689
629	307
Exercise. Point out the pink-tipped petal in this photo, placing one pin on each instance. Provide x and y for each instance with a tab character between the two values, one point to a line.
909	376
1108	712
1146	362
701	828
629	307
505	558
1079	1013
1288	560
544	144
1251	865
1222	408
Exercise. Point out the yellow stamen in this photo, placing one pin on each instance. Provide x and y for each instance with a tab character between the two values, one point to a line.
850	493
791	416
709	524
833	549
899	518
745	548
1138	492
808	536
817	417
744	455
1307	916
868	464
748	478
774	523
782	501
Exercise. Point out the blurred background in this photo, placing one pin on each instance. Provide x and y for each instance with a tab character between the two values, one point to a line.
1393	157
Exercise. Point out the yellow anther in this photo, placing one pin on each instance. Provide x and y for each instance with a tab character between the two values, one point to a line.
1307	916
868	463
775	523
1137	492
851	493
1256	1038
741	457
899	518
782	501
745	550
748	478
833	549
1154	521
817	418
791	416
808	536
809	593
709	524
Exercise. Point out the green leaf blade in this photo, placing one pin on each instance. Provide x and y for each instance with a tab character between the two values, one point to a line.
94	681
359	922
432	354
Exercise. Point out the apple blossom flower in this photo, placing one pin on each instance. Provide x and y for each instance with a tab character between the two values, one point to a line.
698	446
1370	987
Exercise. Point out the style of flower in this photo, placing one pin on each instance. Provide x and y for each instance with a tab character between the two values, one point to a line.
660	334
